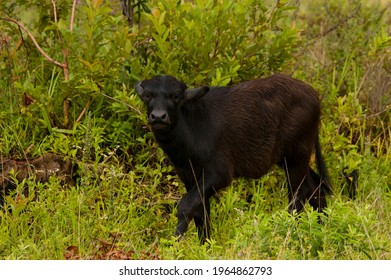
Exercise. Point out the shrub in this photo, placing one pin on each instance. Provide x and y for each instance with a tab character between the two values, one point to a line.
214	42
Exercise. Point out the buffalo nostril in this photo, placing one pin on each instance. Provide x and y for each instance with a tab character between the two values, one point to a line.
158	116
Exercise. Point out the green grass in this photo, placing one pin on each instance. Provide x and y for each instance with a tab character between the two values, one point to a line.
124	206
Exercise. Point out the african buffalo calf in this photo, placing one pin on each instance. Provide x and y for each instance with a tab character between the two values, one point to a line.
215	134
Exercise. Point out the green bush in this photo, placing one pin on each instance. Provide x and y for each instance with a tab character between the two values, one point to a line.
105	57
214	42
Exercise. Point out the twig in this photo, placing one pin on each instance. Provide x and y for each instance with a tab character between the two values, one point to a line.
388	107
24	44
340	22
66	68
273	10
72	15
4	40
126	104
65	51
84	110
66	104
54	10
47	57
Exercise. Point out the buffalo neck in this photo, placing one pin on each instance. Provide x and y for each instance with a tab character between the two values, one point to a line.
180	141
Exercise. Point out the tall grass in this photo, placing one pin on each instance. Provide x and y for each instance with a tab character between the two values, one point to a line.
250	219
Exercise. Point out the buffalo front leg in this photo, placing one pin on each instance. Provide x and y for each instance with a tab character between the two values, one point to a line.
202	221
194	205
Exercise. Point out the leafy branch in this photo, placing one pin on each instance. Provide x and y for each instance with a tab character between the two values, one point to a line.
64	66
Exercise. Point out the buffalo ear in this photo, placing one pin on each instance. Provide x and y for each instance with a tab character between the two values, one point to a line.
196	93
139	89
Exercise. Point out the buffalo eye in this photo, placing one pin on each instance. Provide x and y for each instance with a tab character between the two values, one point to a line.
147	96
175	97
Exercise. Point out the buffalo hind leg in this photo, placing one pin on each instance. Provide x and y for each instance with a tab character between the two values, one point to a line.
304	184
317	197
297	185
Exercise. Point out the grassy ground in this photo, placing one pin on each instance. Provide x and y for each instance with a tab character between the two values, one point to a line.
119	215
119	210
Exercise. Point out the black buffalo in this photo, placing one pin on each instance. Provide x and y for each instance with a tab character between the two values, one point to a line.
215	134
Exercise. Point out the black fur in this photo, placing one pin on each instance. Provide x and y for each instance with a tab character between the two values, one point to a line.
215	134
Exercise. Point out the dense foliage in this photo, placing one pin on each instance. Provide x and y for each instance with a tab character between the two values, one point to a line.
66	87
